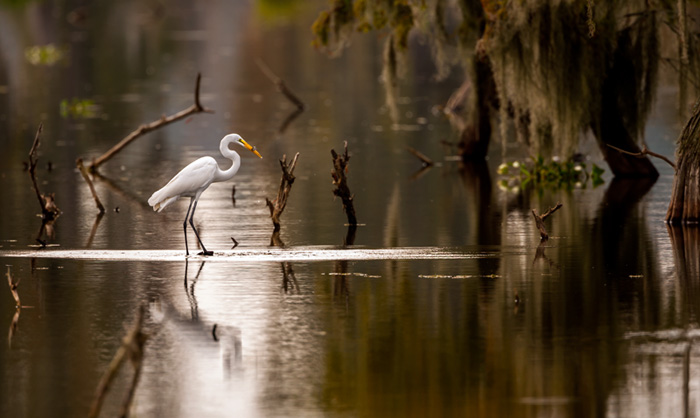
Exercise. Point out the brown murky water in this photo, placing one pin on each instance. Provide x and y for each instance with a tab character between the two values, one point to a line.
444	305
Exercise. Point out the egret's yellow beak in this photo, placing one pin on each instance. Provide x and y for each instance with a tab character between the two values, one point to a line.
250	148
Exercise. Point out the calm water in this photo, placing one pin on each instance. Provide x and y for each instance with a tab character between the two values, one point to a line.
462	315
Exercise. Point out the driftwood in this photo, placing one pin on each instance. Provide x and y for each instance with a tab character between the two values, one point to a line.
340	167
643	153
280	202
86	176
539	220
196	107
132	346
49	210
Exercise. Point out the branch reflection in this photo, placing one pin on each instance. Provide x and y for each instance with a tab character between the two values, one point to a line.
289	280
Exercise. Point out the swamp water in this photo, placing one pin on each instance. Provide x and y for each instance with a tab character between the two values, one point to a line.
446	303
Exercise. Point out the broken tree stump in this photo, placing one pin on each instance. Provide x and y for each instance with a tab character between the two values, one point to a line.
280	202
196	107
539	220
340	167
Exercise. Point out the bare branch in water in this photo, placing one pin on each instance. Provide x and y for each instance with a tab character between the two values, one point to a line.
86	176
340	167
539	220
196	107
643	153
49	210
280	202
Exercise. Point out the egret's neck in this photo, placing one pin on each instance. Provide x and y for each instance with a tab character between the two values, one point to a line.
232	155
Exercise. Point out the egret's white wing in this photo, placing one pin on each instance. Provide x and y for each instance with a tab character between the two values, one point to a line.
192	179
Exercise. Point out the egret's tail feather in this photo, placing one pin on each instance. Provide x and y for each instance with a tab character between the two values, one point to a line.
159	202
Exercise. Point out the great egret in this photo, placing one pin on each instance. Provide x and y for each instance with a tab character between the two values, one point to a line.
192	180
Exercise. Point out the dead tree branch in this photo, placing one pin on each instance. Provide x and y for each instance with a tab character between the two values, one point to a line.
539	220
280	202
340	167
132	346
196	107
281	86
86	176
427	162
49	210
643	153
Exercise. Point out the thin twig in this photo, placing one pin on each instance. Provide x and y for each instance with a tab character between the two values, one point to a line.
86	176
644	152
196	107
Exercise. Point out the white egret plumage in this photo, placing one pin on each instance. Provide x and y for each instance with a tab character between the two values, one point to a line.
194	179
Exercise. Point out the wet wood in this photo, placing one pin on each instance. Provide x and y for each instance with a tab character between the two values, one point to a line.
196	107
277	205
131	348
49	210
539	220
340	168
86	177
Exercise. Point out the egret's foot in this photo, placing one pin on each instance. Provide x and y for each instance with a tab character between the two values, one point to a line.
235	243
206	253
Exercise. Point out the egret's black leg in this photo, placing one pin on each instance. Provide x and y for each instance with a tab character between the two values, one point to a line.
201	244
184	226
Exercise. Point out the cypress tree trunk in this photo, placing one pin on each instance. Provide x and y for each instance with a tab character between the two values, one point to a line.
475	138
685	198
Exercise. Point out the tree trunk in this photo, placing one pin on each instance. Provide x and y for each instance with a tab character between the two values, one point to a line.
612	131
475	137
685	196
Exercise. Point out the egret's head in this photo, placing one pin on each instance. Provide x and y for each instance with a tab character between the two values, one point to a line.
247	146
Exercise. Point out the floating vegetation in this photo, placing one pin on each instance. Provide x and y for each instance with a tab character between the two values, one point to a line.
551	174
44	54
78	108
